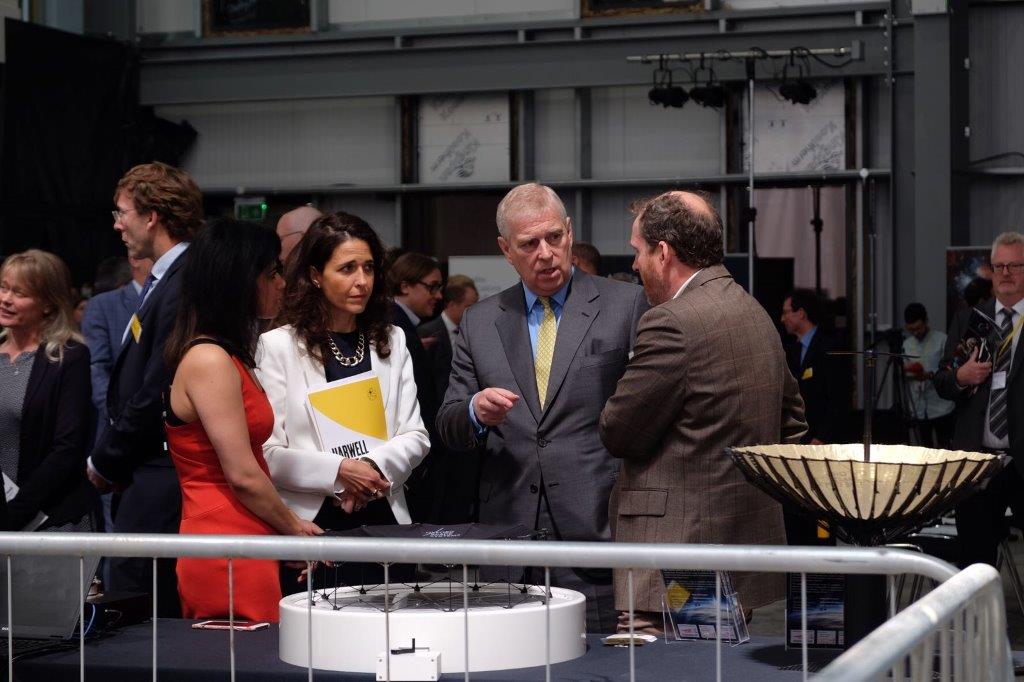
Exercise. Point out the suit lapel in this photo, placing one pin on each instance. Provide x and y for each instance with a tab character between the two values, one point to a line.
515	339
160	285
1018	355
580	311
41	367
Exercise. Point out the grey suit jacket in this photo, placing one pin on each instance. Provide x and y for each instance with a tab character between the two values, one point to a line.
559	446
708	372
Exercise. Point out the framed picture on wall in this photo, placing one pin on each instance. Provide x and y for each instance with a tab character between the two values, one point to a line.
256	17
605	8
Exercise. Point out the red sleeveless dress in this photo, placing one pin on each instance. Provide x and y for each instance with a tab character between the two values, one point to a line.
208	506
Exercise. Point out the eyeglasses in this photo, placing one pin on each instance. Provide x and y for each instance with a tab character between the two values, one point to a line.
1008	268
118	213
432	288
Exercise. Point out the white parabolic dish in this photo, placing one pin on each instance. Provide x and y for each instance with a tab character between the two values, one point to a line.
349	639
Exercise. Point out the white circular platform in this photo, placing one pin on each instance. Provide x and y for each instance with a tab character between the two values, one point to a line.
506	630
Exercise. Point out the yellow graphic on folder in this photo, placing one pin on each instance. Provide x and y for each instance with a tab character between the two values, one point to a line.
348	415
677	596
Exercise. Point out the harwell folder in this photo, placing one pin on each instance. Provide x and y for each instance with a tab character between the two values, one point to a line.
348	415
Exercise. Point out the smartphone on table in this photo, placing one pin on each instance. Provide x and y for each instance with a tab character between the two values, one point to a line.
244	625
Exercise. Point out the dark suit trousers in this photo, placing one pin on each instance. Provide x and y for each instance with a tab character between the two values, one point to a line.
980	519
594	584
151	504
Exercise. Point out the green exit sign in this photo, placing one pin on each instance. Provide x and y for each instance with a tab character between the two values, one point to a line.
250	208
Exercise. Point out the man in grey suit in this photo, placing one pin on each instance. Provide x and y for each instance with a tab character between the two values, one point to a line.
532	368
708	372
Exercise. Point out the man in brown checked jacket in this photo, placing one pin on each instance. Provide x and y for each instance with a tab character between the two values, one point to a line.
708	371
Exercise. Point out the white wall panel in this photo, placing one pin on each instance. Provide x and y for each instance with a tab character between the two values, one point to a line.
762	4
356	12
377	211
163	16
464	138
8	9
292	144
635	139
611	219
554	134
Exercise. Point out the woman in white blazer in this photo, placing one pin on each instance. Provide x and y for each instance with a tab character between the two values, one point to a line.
336	324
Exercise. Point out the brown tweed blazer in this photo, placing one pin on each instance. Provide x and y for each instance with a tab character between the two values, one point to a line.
708	371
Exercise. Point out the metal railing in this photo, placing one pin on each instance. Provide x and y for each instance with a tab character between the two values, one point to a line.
958	630
970	605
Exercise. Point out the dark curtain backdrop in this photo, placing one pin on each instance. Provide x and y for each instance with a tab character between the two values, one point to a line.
71	127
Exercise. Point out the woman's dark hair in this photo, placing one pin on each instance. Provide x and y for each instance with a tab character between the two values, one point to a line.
305	306
219	287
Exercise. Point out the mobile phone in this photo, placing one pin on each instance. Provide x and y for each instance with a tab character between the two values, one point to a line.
246	625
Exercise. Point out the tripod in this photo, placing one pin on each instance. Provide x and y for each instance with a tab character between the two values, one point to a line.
902	397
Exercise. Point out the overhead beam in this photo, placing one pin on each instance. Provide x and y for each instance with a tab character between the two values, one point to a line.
378	64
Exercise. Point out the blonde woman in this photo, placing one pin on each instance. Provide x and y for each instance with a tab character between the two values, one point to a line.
45	409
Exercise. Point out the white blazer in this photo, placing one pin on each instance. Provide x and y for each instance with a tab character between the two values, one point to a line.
303	474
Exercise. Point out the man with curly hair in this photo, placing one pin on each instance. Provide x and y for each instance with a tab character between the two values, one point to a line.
159	210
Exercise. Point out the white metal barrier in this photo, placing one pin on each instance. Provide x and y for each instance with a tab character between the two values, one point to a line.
962	624
965	617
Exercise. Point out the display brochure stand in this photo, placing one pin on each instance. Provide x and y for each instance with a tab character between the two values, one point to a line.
689	612
826	622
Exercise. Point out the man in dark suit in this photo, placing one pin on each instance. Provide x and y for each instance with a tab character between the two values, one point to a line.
159	209
989	399
825	380
455	477
415	283
532	368
708	372
826	385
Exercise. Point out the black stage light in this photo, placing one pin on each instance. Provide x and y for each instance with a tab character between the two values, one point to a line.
671	96
798	92
708	95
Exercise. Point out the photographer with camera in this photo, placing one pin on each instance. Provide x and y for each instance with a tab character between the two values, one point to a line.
933	416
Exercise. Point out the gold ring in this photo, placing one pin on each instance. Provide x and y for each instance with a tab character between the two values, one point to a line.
376	493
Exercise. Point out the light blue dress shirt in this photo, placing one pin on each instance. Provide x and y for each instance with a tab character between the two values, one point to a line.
534	316
805	342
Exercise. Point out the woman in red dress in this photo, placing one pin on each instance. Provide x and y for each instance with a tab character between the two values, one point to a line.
218	418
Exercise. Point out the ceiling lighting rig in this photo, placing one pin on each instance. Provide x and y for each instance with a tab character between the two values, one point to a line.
711	93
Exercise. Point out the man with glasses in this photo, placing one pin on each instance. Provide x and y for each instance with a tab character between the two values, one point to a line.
531	371
989	400
415	283
159	210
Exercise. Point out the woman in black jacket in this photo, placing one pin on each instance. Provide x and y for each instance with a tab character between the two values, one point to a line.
45	410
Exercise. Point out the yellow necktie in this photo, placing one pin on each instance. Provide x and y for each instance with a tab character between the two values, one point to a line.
545	349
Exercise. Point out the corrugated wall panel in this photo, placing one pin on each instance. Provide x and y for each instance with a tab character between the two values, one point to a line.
291	144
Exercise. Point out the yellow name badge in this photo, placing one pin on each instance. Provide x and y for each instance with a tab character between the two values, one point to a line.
136	327
808	373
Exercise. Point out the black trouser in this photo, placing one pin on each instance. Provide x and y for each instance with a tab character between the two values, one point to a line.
151	504
936	433
981	522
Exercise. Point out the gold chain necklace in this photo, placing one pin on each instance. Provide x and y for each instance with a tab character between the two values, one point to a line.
349	360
